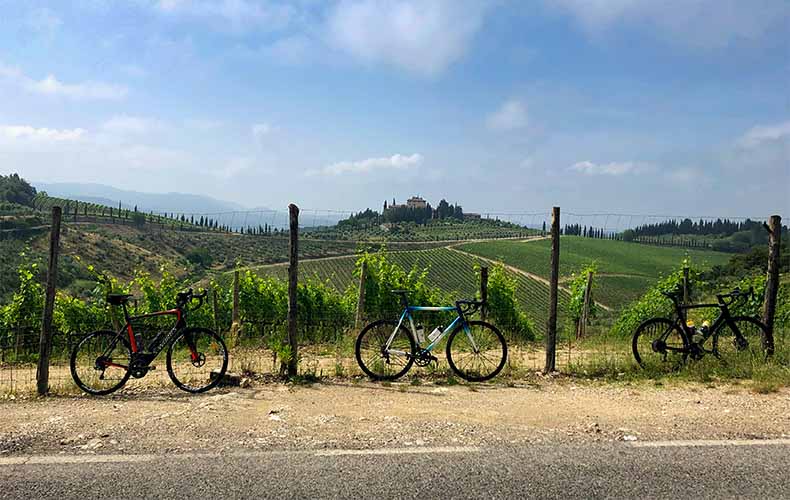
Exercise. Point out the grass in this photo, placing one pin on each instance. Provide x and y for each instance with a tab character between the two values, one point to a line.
613	257
610	359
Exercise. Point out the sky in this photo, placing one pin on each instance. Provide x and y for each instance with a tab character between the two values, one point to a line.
673	107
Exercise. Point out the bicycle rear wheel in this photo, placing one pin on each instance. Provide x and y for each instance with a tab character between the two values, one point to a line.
659	344
193	356
479	354
100	363
378	362
740	340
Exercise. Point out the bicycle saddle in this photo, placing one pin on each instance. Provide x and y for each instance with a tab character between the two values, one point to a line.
117	299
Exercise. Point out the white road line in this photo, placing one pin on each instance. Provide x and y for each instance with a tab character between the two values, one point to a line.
704	442
111	459
399	451
73	459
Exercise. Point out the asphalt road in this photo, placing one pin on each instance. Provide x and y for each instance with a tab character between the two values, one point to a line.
567	471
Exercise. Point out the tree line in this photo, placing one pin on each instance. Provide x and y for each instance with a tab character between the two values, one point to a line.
724	227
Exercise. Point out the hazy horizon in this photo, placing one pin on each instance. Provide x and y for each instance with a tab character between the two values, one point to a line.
676	108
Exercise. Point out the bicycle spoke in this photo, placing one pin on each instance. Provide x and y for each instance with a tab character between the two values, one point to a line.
379	360
478	354
100	363
193	357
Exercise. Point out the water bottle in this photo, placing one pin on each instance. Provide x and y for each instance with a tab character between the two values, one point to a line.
420	332
138	339
435	333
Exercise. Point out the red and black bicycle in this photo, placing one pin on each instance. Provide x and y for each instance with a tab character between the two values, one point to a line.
103	361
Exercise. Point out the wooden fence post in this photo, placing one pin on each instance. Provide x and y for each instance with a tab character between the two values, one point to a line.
235	315
484	292
293	274
45	344
772	283
581	330
363	276
551	330
215	309
685	284
235	311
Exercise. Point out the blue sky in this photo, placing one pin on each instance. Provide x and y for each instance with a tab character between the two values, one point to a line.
636	106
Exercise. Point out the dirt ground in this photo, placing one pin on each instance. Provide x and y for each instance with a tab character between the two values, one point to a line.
359	414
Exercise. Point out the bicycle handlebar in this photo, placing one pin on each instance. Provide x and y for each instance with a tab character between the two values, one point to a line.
735	294
184	298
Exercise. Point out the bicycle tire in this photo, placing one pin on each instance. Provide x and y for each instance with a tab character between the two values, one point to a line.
752	329
645	354
375	365
125	352
455	359
209	341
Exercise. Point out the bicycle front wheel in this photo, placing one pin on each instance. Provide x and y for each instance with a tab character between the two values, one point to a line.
740	340
659	344
477	354
197	360
100	363
379	360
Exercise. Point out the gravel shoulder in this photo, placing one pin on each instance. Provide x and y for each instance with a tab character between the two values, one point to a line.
359	415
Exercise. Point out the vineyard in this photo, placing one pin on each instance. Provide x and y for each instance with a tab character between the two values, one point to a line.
435	230
625	270
122	249
452	272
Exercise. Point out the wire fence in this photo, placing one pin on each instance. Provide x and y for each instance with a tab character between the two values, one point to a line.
448	251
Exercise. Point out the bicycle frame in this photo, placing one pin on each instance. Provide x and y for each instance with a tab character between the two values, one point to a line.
159	342
407	315
680	309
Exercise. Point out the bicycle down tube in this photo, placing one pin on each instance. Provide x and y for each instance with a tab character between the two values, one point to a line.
407	314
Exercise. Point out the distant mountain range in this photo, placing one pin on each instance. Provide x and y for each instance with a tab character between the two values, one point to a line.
182	203
145	202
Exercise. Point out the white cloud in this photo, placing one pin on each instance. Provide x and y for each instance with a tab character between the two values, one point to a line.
511	115
527	163
261	130
701	23
151	158
125	125
86	90
394	162
424	37
761	134
613	168
52	86
233	167
28	133
237	15
687	176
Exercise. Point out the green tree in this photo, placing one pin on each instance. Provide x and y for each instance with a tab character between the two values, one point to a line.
15	189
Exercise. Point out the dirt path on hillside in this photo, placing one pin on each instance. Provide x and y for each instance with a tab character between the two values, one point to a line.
450	246
359	414
524	273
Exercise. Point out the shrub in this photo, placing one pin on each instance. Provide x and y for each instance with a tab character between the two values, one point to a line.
652	304
384	276
27	303
201	257
503	308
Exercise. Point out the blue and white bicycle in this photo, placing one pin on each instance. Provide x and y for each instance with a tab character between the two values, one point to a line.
387	349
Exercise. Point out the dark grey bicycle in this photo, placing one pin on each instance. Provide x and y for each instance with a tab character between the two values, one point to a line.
665	342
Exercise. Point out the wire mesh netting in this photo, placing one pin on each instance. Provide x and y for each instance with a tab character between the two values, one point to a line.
630	254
